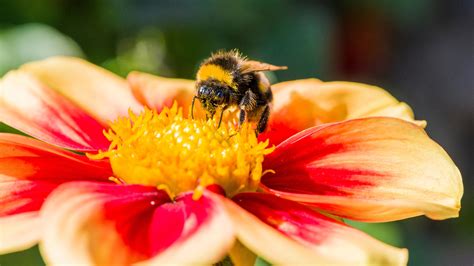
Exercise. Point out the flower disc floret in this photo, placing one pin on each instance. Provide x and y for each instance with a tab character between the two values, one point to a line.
177	154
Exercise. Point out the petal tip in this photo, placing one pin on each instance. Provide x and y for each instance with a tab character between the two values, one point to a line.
403	257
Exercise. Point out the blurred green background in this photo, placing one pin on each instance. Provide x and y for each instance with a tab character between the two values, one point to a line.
421	51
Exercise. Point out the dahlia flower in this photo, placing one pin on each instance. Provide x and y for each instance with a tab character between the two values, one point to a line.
114	173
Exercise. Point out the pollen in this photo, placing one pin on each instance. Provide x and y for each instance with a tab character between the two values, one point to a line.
178	155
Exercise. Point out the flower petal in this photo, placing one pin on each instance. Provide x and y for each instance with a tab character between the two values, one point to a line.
97	224
369	169
326	237
101	93
19	232
29	171
268	243
158	92
301	104
28	105
24	158
207	243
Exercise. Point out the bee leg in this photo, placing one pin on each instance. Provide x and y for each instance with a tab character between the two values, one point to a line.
242	117
249	101
247	104
192	107
220	118
262	123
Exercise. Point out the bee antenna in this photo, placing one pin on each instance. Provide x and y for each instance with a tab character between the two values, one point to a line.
192	107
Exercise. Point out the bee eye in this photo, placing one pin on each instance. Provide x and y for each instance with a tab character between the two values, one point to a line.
203	90
219	97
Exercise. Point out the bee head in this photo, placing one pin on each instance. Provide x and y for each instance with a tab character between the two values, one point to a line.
213	95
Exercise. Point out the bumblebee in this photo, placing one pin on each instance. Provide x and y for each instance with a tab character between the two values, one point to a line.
227	79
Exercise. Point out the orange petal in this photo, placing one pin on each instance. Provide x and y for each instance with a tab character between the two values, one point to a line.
29	106
368	169
158	92
19	232
301	104
97	224
101	93
326	238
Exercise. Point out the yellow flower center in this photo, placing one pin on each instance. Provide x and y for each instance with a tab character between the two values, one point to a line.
177	154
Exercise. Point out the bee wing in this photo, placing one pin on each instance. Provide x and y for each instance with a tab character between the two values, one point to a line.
255	66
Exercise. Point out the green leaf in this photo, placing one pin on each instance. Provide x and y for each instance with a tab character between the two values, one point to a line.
261	262
27	257
8	129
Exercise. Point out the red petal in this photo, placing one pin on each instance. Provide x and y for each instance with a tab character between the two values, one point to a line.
310	227
371	169
326	237
28	105
95	223
278	131
30	170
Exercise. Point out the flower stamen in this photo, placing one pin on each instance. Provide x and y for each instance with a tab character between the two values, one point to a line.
176	154
116	180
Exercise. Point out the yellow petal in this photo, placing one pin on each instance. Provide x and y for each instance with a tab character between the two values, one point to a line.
101	93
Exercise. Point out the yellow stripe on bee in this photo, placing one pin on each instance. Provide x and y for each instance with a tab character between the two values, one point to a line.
216	72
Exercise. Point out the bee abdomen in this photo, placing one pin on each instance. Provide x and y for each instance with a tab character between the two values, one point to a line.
264	86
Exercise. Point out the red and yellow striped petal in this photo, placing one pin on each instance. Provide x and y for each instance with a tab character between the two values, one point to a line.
301	104
369	169
94	224
28	105
26	158
329	241
29	171
157	92
99	92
